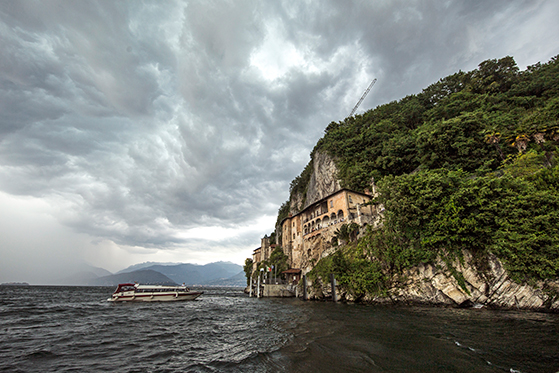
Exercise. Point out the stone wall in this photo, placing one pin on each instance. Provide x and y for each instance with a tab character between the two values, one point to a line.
278	291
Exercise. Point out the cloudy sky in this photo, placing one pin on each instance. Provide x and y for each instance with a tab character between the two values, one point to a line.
170	130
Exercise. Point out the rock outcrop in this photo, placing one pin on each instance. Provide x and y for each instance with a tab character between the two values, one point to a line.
323	182
323	179
434	284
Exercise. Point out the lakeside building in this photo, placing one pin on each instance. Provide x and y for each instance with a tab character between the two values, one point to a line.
263	252
308	236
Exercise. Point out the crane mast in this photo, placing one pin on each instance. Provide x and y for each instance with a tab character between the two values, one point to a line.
363	97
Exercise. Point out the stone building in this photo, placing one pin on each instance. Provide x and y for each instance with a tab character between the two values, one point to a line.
256	258
307	236
263	252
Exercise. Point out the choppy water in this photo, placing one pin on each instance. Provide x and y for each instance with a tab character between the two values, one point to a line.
74	329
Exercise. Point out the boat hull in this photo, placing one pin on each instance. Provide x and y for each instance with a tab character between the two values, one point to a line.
155	297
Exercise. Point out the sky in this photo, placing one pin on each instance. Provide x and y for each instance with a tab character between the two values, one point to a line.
169	131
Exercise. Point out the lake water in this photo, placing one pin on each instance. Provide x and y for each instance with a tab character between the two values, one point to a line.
74	329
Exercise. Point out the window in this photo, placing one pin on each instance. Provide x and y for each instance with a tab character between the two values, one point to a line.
331	204
350	201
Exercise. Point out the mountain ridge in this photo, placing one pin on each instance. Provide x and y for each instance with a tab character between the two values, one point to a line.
212	274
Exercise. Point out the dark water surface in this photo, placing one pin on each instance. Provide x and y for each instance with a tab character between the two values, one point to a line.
74	329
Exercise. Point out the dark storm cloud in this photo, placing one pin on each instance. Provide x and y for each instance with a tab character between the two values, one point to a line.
139	121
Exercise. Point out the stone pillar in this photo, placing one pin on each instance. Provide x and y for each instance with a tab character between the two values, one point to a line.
333	283
250	287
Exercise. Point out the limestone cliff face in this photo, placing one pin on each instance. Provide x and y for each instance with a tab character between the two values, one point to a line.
296	203
323	179
434	284
323	182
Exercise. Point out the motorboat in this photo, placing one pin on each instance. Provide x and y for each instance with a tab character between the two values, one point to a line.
152	293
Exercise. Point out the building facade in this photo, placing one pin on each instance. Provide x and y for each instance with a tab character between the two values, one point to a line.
263	252
307	236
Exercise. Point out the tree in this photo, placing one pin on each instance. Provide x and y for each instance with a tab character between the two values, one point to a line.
493	76
278	259
248	269
347	233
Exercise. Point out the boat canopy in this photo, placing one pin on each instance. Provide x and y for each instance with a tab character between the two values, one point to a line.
124	287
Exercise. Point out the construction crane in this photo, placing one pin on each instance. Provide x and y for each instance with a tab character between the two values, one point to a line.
363	97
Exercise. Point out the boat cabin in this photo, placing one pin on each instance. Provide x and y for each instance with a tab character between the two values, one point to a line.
125	287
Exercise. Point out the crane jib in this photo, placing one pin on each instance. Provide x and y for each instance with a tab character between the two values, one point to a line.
363	96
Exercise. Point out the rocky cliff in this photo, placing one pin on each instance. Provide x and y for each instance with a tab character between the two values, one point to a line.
323	182
434	284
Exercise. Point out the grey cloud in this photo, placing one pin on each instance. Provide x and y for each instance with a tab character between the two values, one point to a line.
137	121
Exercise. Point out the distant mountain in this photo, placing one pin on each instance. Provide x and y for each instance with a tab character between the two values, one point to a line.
138	266
212	274
195	274
83	274
143	276
239	280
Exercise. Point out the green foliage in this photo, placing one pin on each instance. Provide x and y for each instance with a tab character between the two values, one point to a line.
347	232
272	238
283	213
353	271
454	143
300	183
461	122
440	212
494	76
526	236
278	259
247	268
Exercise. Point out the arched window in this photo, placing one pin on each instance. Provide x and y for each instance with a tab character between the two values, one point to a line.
325	221
340	214
318	224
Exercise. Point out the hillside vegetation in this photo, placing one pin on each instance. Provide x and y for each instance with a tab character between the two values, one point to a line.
469	163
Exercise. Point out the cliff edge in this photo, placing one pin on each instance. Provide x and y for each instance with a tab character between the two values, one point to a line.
322	182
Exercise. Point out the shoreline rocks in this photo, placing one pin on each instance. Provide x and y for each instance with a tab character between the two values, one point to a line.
434	284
